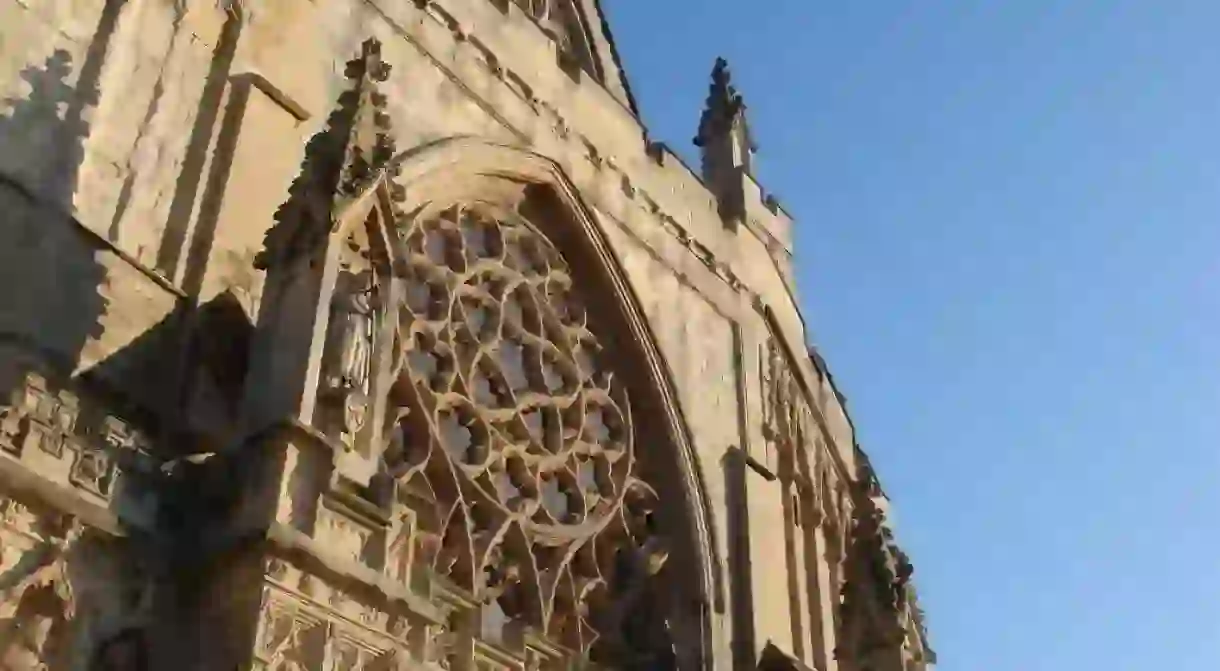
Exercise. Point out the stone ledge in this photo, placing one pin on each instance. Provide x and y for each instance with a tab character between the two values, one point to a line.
17	480
310	554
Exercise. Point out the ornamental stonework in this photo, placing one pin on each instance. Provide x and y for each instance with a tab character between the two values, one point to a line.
50	423
311	363
513	444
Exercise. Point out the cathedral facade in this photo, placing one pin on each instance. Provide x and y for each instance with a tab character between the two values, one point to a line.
370	335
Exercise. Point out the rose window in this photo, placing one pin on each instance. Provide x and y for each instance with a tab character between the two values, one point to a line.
513	440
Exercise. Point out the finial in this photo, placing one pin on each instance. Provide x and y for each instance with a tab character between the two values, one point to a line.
371	140
723	106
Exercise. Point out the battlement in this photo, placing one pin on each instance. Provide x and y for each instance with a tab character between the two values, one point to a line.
763	210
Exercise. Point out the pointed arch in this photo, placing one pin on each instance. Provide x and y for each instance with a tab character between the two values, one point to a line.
462	170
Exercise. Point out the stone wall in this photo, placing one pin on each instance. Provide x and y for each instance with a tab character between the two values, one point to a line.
147	145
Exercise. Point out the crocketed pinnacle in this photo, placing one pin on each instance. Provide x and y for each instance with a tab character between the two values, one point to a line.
340	161
723	105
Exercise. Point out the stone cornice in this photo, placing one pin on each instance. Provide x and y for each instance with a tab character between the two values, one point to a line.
310	554
18	481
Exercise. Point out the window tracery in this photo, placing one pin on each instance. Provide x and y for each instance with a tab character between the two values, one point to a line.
511	440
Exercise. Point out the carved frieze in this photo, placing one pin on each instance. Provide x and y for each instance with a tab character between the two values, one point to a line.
64	590
290	639
38	417
789	426
345	537
440	646
348	651
370	635
69	428
35	597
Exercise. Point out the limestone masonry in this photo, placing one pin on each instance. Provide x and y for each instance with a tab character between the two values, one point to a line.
377	334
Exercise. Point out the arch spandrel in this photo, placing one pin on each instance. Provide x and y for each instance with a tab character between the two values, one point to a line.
524	410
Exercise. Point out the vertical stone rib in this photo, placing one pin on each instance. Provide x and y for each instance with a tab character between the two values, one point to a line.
179	224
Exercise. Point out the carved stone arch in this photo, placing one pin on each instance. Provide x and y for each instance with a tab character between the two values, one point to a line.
517	183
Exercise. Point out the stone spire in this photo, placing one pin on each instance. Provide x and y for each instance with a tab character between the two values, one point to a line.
727	148
724	132
370	142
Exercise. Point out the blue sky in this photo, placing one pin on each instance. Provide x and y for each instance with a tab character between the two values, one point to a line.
1009	250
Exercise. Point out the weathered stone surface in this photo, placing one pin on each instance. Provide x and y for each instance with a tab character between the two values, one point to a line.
301	344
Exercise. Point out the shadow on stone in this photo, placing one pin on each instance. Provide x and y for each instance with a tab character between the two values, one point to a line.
191	176
53	309
51	267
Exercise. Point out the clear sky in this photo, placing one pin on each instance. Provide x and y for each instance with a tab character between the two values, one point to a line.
1009	252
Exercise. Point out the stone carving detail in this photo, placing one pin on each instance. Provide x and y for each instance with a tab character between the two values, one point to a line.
513	444
350	655
789	426
34	636
440	646
724	108
352	313
353	321
63	591
290	642
38	417
352	150
561	20
42	417
878	607
35	597
301	612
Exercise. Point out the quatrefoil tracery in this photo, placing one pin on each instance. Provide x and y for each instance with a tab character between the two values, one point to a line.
513	430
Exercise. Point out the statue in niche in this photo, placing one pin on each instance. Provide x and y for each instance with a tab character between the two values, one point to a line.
348	365
352	317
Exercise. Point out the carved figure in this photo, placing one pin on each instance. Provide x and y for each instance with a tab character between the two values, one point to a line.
349	354
353	313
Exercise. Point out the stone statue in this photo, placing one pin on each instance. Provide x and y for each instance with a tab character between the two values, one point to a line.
348	361
353	312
